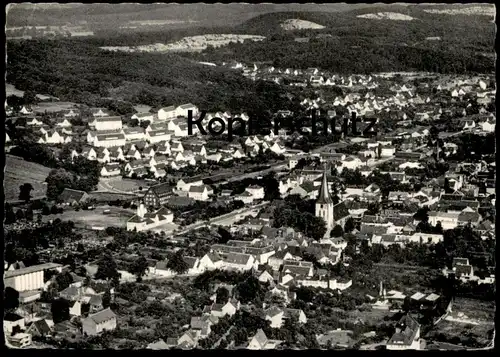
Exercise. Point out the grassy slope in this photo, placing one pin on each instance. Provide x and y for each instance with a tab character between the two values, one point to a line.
19	171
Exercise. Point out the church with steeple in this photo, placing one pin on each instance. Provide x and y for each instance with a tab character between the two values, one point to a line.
331	213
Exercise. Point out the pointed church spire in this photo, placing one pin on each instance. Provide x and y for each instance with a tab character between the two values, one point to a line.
324	192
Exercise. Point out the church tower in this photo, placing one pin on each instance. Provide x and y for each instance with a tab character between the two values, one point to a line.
324	204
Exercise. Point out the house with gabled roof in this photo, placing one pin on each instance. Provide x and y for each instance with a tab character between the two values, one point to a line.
94	324
277	316
135	133
63	123
99	112
260	342
107	123
238	261
211	261
115	139
143	117
71	197
407	335
111	169
144	220
159	345
39	328
200	192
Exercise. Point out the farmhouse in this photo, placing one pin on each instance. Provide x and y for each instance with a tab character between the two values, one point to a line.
71	197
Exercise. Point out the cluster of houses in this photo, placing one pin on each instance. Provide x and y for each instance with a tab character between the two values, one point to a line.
30	318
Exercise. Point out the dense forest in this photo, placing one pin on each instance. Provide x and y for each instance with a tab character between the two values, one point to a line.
349	44
80	72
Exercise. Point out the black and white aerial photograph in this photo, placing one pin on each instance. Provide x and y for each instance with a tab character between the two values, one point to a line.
250	176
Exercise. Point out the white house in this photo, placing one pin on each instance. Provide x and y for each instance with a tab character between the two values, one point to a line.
63	123
144	220
109	140
112	169
167	113
33	121
256	191
387	151
185	183
134	134
488	126
200	193
211	261
99	112
261	342
238	262
277	316
143	117
156	136
182	110
71	113
449	220
407	335
94	324
107	123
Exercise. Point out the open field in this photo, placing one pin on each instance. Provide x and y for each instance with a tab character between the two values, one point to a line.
118	184
19	171
475	336
110	196
475	329
11	90
95	218
475	309
52	107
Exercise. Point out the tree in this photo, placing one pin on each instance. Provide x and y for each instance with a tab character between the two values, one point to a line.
106	299
139	267
10	216
64	280
107	269
60	310
337	231
57	181
54	210
250	290
29	97
19	215
349	225
25	192
447	187
271	187
222	295
29	214
10	299
177	263
224	234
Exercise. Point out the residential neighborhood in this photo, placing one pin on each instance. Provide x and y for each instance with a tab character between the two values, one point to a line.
125	231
